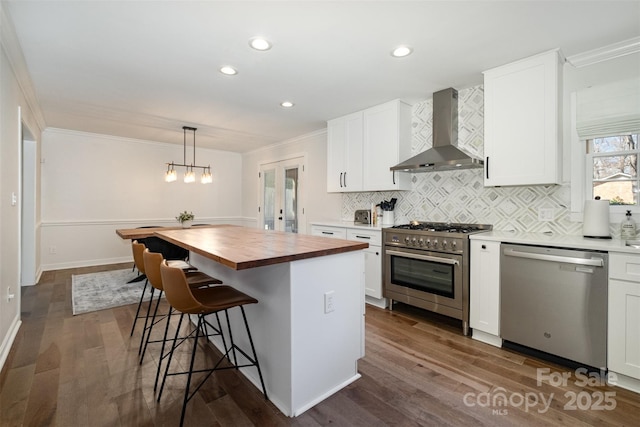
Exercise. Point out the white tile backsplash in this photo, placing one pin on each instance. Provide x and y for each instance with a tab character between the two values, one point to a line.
460	196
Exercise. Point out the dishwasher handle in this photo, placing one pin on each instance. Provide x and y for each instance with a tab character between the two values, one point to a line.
595	262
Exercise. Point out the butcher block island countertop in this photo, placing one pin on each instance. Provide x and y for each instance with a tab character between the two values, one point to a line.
308	324
242	247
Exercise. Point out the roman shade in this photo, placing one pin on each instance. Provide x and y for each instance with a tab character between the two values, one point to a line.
608	110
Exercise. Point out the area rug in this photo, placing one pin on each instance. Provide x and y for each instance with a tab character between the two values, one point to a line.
106	289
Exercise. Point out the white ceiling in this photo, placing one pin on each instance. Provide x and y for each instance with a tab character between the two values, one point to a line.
143	69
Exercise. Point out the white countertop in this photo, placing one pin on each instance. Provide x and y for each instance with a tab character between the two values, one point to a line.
556	240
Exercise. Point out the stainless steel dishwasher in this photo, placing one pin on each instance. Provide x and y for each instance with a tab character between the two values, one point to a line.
555	300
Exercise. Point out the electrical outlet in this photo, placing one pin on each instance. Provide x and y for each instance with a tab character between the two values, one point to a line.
545	214
53	250
328	302
10	295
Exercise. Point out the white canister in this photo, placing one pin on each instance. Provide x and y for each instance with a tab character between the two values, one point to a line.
387	218
596	219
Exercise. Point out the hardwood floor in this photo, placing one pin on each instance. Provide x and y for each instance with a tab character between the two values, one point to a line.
66	370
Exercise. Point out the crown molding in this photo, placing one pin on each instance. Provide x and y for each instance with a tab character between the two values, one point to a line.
616	50
13	50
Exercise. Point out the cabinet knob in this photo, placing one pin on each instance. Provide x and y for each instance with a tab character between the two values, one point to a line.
377	253
484	246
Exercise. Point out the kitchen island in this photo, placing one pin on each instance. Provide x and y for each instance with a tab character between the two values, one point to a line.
308	327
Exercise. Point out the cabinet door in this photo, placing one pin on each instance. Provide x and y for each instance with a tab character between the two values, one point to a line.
484	292
372	259
387	141
344	153
522	127
623	338
373	271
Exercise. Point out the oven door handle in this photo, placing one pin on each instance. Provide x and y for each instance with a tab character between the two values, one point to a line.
424	257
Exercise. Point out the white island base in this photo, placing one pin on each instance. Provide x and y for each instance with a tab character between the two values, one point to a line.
308	326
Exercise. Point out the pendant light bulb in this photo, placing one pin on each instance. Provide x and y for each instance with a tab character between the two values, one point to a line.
206	177
189	176
170	175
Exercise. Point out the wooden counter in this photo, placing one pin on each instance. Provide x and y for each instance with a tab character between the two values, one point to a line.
143	232
241	247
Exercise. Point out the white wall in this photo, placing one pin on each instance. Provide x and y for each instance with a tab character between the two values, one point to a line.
94	184
12	99
317	203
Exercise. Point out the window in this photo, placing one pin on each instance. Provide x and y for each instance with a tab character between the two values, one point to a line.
612	169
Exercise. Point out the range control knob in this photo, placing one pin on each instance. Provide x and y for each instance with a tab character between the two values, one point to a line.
453	244
435	243
421	242
444	244
414	241
407	240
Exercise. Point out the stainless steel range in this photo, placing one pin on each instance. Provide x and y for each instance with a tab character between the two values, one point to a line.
426	265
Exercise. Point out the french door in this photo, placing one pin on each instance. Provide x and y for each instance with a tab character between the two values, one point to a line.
280	194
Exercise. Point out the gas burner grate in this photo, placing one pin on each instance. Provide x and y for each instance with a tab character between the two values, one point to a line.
441	227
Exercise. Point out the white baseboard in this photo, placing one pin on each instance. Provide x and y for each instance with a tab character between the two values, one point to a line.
628	383
376	302
486	338
5	348
86	263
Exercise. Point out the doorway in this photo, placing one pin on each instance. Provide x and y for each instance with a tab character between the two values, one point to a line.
281	185
28	206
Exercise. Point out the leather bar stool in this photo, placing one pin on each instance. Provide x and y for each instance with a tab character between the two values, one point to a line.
195	279
202	302
138	259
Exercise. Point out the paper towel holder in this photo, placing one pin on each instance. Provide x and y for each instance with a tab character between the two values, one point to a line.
595	223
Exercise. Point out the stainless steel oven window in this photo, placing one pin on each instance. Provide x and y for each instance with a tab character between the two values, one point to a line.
427	276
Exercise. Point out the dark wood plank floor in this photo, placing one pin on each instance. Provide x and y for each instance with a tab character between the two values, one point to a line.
66	370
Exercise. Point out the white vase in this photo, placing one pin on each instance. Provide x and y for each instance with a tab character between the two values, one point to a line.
187	223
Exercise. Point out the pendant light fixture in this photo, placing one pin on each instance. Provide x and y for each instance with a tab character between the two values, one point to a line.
189	176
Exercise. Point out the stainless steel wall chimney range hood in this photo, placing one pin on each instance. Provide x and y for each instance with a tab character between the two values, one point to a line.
445	155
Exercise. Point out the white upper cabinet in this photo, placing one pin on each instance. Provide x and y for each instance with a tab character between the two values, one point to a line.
344	153
361	147
522	134
387	136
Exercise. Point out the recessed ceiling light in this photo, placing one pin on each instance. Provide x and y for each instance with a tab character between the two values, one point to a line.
286	104
258	43
401	51
228	70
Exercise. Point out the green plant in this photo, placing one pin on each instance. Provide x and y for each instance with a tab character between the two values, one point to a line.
185	216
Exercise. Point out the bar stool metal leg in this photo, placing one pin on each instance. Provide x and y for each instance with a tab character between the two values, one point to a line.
146	320
202	326
150	329
162	355
173	347
193	358
135	319
253	350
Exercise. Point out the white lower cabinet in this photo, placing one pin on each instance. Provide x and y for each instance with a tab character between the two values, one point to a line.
484	292
373	260
373	255
623	338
